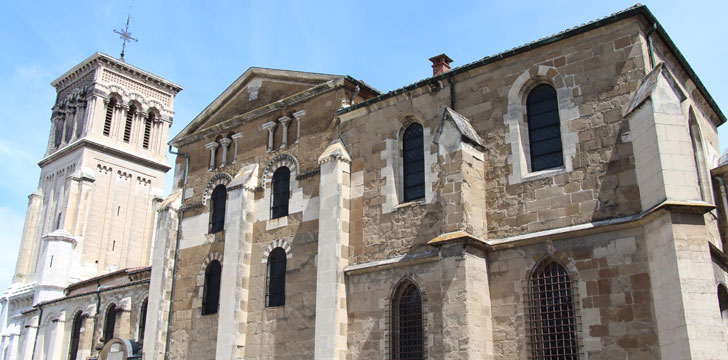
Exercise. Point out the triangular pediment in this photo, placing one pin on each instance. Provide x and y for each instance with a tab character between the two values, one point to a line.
257	87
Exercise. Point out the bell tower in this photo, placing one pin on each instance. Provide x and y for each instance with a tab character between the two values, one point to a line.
101	177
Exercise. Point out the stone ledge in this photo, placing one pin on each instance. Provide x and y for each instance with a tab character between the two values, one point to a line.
399	261
690	207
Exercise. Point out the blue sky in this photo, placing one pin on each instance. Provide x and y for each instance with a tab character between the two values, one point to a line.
206	46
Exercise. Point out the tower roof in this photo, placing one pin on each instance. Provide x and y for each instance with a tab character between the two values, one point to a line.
98	57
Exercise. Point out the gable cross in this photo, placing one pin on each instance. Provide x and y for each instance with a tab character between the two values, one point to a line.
125	36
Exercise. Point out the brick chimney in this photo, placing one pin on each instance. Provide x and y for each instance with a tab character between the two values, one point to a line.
440	64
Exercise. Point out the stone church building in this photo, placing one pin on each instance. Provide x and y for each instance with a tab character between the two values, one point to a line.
560	200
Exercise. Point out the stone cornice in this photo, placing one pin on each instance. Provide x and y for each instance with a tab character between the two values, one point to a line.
90	144
694	207
183	139
92	62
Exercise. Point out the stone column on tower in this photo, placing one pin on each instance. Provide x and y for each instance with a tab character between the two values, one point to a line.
298	115
271	127
225	142
235	138
212	146
285	121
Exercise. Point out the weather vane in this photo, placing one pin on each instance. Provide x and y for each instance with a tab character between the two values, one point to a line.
125	35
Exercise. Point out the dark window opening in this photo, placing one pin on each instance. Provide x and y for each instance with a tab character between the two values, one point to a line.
413	163
109	116
127	127
276	290
723	302
58	135
142	321
407	329
110	324
78	321
217	217
544	132
211	298
147	130
281	192
551	324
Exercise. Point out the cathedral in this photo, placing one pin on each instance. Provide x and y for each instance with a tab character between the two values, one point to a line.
564	199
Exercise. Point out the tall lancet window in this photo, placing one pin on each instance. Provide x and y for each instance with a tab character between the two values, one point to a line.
110	323
407	326
544	128
78	321
276	285
217	216
58	135
142	321
413	163
129	119
211	296
109	116
551	323
147	130
281	192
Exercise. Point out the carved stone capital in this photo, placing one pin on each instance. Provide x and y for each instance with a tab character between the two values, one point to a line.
270	126
285	120
299	114
211	145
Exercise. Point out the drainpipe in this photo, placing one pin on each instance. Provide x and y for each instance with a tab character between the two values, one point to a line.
452	92
176	252
649	45
37	330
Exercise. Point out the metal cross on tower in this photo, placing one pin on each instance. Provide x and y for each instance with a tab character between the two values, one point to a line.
125	35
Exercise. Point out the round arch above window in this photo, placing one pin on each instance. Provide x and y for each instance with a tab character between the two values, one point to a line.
219	179
280	160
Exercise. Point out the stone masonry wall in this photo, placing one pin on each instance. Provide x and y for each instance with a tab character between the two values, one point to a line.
612	294
271	332
594	74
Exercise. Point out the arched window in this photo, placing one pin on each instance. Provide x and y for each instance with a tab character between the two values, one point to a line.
58	135
217	209
147	130
78	321
129	118
699	157
723	302
544	132
109	116
407	329
413	163
211	298
281	192
275	294
110	324
551	324
142	321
